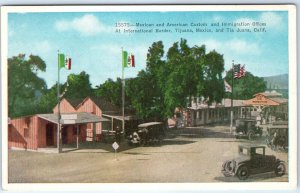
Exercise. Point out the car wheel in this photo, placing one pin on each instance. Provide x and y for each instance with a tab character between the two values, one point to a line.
243	173
251	135
280	169
143	142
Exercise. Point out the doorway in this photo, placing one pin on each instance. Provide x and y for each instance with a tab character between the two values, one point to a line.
49	134
64	134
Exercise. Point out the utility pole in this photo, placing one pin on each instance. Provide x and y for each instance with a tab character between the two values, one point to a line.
231	109
123	94
58	139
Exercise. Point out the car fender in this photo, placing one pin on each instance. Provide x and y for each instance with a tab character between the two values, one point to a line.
239	166
278	161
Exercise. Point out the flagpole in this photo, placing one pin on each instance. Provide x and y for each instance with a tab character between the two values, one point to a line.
58	139
231	109
123	94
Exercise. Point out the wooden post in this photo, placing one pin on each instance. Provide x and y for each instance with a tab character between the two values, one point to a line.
59	140
77	138
231	108
94	131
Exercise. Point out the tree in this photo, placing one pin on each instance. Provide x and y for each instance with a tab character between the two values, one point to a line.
245	87
49	99
111	90
171	81
24	85
78	86
213	81
186	77
145	92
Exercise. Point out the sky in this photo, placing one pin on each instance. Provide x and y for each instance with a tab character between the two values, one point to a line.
91	40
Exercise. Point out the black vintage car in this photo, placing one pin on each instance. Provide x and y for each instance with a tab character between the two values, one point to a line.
247	128
252	160
277	136
147	132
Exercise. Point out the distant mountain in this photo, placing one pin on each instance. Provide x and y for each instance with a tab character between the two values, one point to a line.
277	82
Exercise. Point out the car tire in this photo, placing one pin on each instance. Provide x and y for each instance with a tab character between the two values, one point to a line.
243	173
142	142
280	169
251	135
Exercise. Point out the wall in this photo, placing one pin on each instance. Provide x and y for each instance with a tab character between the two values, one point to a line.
90	107
212	115
65	107
22	133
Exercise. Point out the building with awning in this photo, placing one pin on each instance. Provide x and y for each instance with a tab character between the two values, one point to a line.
39	131
271	103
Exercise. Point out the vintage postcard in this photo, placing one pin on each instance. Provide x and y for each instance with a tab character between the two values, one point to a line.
167	97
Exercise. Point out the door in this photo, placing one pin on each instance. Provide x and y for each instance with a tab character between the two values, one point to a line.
64	135
49	134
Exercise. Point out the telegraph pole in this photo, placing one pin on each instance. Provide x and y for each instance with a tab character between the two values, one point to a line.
123	94
231	109
58	139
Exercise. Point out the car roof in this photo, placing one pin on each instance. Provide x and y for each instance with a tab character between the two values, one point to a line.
149	124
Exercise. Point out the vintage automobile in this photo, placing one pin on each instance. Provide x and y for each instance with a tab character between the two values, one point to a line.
108	136
146	133
277	136
247	128
252	160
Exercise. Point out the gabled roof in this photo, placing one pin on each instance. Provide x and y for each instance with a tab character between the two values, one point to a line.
269	94
101	102
280	100
104	105
74	101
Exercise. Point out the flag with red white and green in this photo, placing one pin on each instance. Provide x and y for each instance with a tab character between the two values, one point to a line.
64	61
127	60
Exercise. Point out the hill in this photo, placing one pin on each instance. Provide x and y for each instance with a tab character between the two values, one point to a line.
280	83
277	82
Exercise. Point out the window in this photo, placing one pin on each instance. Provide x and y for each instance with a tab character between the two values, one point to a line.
200	115
26	132
259	151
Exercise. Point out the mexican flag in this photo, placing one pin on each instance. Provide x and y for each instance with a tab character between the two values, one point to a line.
64	62
127	60
68	63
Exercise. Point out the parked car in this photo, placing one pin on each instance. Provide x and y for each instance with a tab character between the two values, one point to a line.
252	160
247	128
108	136
277	136
147	132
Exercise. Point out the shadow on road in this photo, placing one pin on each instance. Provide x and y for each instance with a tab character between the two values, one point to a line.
124	146
252	178
199	133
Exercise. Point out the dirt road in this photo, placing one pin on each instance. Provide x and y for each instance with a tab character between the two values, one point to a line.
186	155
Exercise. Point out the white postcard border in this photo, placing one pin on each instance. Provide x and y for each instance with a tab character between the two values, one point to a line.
292	157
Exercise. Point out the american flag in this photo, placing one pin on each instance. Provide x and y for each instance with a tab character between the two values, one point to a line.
239	71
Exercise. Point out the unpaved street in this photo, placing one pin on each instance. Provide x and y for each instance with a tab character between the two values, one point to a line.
186	155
